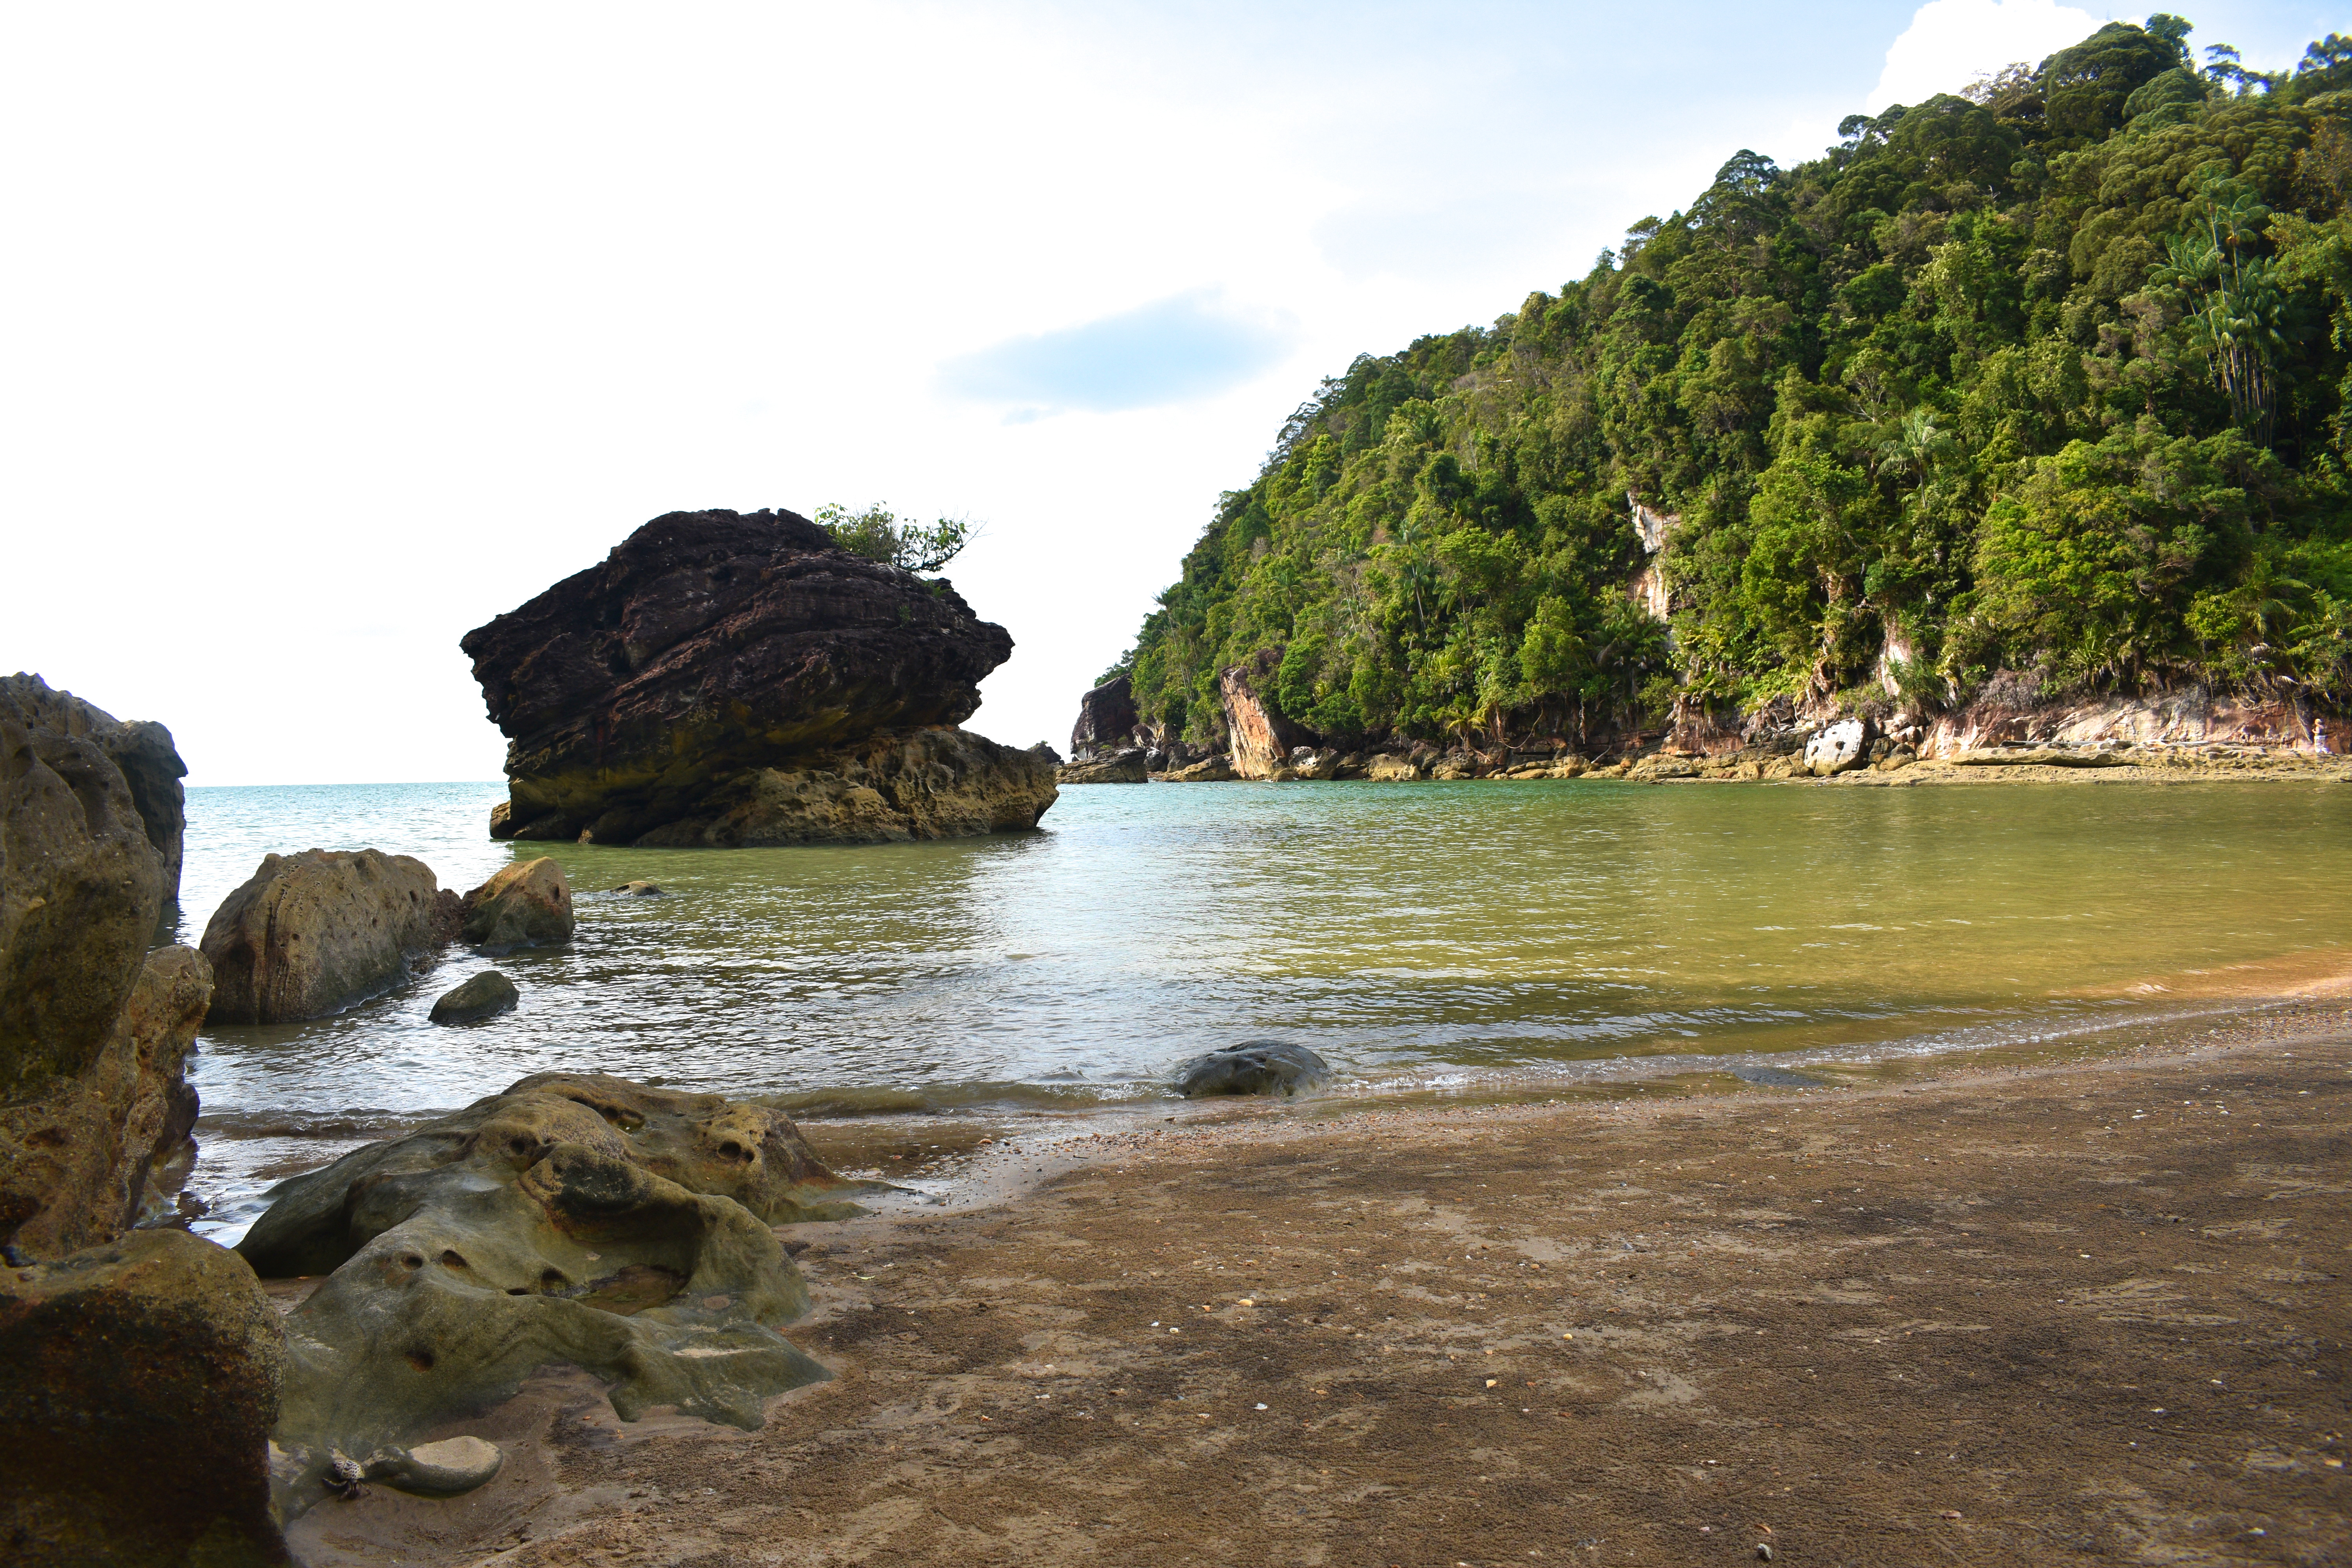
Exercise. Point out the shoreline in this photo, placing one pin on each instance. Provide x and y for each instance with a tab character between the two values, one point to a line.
2253	766
2101	1291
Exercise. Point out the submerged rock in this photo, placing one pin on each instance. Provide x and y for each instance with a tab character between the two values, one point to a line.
527	904
1129	766
310	933
480	996
640	891
141	1386
712	647
1262	1067
573	1219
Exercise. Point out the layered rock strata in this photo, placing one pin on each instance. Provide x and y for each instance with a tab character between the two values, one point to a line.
573	1219
655	691
312	933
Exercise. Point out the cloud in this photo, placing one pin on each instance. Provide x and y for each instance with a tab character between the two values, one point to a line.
1951	43
1188	346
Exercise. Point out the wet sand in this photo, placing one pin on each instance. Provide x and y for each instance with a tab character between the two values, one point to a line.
2090	1309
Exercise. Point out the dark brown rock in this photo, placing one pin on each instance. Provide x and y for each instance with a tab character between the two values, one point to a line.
143	1383
140	750
1107	719
707	645
1129	766
312	933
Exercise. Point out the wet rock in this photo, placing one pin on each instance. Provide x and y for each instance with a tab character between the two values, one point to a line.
1129	766
641	891
310	933
885	789
574	1218
480	996
447	1469
1262	1067
143	1383
527	904
1840	748
709	646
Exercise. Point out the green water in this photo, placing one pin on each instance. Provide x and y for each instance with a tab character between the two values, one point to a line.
1425	936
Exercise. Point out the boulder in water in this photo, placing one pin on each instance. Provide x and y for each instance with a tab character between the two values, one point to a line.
527	904
142	1384
1259	1067
1127	766
478	996
309	934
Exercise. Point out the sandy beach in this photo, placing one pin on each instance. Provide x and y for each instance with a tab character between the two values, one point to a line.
2085	1309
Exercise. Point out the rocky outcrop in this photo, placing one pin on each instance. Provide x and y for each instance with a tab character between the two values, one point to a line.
135	1415
309	933
1106	721
1260	740
1386	767
140	750
1129	766
888	788
711	649
573	1219
1260	1067
527	904
479	997
1208	770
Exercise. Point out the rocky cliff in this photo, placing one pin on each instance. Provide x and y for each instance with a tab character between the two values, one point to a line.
648	695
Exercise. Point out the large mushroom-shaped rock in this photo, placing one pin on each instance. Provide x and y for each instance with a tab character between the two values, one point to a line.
141	1386
310	933
711	647
478	996
527	904
573	1219
1838	748
95	1108
1258	1067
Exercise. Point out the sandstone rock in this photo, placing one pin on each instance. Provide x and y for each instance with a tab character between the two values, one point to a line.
140	750
2042	757
1107	721
1841	747
143	1383
1659	768
707	647
1311	762
1259	1067
527	904
573	1219
1388	768
1262	738
1126	766
314	933
479	997
1454	765
1208	770
887	788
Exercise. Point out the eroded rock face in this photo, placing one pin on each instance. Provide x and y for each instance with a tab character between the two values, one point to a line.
527	904
706	647
309	933
1129	766
1106	721
140	750
573	1219
1260	1067
141	1386
889	788
1262	738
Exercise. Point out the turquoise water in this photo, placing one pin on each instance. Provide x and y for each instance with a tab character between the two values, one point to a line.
1428	936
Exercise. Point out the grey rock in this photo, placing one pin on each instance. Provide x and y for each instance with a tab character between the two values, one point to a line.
1257	1067
1840	748
479	997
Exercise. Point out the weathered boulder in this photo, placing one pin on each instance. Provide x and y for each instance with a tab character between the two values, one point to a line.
573	1219
1106	721
1129	766
527	904
709	646
1839	748
1208	770
478	996
1455	765
1660	767
141	1386
1258	1067
314	933
1386	767
887	788
140	750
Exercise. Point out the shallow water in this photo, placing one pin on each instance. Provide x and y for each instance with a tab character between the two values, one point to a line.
1423	936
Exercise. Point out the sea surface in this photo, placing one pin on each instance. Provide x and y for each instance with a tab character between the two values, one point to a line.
1468	937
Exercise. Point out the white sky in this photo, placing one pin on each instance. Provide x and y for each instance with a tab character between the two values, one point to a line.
334	330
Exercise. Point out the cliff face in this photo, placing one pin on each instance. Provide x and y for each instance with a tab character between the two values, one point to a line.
707	647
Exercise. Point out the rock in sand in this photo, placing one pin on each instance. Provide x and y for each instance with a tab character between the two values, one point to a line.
1259	1067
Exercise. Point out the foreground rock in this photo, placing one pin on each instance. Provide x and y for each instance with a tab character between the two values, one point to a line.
310	933
573	1219
140	750
484	996
1264	1067
1129	766
135	1416
527	904
712	647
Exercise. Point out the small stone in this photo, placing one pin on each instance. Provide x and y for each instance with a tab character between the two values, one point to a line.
1763	1551
642	891
483	995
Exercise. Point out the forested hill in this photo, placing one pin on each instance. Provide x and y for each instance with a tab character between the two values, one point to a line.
2044	385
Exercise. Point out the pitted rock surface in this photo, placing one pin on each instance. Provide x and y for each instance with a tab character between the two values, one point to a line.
309	933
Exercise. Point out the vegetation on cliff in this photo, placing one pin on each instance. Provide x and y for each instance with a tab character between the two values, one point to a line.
2044	385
